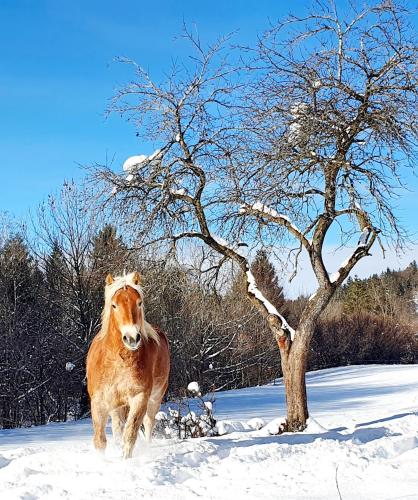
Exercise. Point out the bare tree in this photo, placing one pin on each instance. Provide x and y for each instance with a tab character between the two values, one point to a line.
68	223
312	132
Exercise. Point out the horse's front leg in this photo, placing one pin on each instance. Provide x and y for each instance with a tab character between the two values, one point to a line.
99	415
137	409
118	423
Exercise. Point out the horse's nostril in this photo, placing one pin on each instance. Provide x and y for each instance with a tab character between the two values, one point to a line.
125	338
138	338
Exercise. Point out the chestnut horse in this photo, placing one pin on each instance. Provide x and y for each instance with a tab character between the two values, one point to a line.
128	364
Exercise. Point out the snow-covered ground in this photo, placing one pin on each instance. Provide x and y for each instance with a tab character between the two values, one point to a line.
361	443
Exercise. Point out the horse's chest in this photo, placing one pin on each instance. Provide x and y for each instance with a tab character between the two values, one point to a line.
127	383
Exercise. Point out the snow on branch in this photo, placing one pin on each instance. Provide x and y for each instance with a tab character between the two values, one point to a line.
363	246
233	251
253	289
364	236
178	192
235	247
259	208
134	163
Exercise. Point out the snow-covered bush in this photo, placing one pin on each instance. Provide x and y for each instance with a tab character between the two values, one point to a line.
256	423
194	389
190	418
276	426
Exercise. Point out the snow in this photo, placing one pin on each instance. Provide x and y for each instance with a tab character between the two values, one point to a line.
295	131
228	426
256	423
299	108
298	111
161	415
194	388
364	236
221	241
276	426
334	277
154	155
252	288
180	192
362	242
361	436
239	248
133	162
69	366
261	207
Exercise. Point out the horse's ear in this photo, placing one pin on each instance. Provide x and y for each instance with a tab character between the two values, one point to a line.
136	278
109	279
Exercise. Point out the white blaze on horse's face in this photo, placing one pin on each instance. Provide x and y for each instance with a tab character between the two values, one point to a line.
128	313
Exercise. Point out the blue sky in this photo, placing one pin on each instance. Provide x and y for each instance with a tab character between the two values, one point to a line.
58	71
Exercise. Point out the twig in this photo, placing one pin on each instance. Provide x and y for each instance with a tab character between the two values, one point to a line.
336	483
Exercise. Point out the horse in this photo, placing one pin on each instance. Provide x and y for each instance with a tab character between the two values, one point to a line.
128	365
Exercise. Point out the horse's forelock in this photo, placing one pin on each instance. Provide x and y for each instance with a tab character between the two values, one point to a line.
119	283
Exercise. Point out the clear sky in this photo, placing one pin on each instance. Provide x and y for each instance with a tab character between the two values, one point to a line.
57	73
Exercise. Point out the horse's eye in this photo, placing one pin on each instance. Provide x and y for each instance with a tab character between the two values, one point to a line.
139	303
114	306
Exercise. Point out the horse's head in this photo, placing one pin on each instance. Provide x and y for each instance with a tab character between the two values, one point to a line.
125	302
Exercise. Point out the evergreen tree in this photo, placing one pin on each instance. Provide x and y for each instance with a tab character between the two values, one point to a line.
267	279
109	254
21	336
355	296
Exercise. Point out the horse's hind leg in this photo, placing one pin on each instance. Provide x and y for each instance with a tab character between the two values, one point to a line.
137	409
118	422
99	416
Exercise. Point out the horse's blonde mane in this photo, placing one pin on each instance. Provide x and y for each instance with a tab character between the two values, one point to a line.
120	282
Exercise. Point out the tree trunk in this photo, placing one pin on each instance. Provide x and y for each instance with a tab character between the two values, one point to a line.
294	361
84	401
294	368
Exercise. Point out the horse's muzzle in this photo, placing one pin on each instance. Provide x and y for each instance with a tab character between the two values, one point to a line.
131	337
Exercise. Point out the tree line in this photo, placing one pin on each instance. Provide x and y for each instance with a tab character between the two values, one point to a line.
51	296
